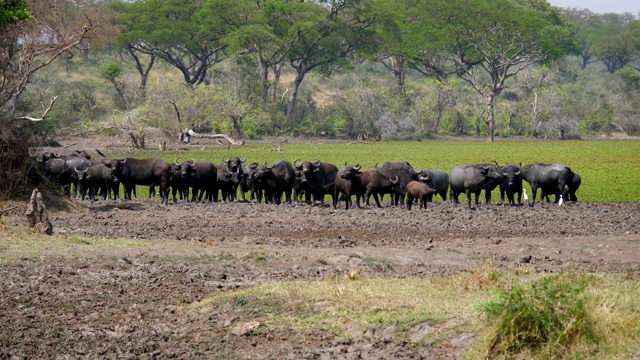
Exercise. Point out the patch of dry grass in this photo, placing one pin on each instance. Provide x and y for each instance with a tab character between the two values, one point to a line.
343	302
20	241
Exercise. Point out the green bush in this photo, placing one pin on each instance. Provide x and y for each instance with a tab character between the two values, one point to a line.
548	315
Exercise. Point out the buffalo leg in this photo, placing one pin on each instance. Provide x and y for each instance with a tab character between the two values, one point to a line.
453	194
377	199
534	193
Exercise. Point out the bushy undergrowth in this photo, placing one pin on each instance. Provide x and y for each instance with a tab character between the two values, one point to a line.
549	314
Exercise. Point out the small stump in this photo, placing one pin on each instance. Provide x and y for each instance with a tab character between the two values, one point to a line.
37	215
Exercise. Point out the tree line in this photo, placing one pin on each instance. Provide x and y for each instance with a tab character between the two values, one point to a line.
389	69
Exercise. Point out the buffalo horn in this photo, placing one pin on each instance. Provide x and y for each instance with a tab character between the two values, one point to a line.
376	165
268	166
317	163
176	161
80	171
224	158
295	164
56	154
345	164
245	159
357	167
193	162
518	172
122	161
495	162
395	181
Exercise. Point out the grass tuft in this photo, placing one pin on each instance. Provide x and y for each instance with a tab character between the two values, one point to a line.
550	313
485	277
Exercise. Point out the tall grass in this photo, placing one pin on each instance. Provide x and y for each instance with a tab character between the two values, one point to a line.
610	169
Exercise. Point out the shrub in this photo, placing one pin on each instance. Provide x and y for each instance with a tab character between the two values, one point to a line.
549	314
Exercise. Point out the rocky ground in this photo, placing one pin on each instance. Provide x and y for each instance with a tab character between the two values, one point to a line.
125	301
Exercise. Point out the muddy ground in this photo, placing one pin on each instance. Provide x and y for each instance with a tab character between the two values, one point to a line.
125	301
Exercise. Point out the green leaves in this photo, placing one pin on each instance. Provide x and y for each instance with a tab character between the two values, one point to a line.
13	12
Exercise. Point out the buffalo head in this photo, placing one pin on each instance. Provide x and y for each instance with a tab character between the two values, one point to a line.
350	172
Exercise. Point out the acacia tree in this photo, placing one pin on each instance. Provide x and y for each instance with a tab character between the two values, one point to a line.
498	39
170	31
585	22
325	34
616	42
256	29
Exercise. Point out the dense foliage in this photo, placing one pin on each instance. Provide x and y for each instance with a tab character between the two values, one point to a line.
366	69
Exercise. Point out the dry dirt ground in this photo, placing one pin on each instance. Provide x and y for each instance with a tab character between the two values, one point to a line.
125	301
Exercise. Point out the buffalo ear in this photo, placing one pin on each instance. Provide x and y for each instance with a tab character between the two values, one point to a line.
108	165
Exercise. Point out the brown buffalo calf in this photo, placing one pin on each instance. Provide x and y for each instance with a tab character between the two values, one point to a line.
418	190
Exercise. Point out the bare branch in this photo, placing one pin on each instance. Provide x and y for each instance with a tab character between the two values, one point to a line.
46	112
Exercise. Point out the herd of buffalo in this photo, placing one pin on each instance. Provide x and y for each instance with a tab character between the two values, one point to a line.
304	180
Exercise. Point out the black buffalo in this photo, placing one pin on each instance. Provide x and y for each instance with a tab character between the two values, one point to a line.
511	183
275	180
405	173
247	182
552	179
200	176
301	188
348	182
175	183
234	166
436	179
378	182
574	185
470	179
319	176
227	181
132	172
61	169
493	182
576	180
98	178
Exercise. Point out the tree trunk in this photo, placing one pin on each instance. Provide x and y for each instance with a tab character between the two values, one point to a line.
294	96
264	81
237	126
585	61
490	116
399	71
144	73
277	71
